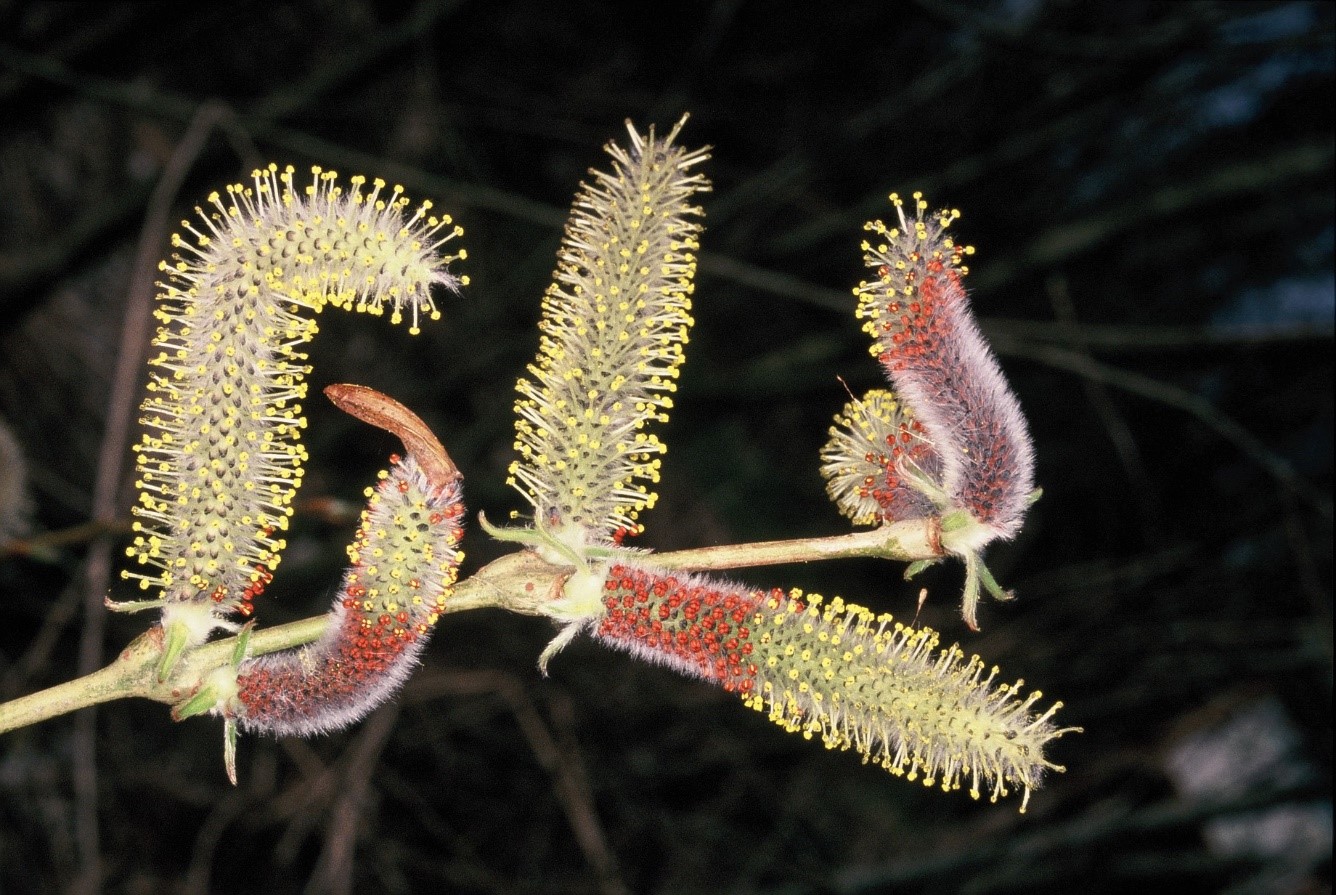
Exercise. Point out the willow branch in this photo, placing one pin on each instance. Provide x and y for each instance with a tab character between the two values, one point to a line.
908	541
520	582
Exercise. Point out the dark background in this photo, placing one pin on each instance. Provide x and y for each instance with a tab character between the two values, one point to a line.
1149	186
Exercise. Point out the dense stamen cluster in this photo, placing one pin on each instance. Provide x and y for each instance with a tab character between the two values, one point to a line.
836	672
221	460
878	463
404	561
613	327
930	346
686	622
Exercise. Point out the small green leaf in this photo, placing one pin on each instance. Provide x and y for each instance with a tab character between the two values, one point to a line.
230	749
176	637
242	645
918	566
205	698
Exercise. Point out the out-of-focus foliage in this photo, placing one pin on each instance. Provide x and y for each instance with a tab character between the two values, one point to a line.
1150	189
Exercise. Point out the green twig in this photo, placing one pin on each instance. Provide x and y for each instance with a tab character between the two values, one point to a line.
521	582
907	541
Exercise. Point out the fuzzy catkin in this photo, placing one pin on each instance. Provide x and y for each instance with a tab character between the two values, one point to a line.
221	458
835	672
878	464
404	563
930	346
613	326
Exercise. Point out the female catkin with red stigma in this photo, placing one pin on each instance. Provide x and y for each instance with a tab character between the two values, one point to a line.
975	460
403	566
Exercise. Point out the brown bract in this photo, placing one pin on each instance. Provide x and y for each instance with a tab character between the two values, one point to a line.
383	412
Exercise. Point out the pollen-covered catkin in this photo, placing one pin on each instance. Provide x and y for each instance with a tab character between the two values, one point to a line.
835	672
404	561
221	457
878	464
613	326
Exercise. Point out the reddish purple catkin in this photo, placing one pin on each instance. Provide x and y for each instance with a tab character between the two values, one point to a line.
931	349
951	440
404	562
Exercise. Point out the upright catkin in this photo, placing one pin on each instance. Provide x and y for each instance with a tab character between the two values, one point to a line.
613	327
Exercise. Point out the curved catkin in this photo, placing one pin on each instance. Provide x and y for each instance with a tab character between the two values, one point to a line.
930	346
878	463
613	326
404	562
221	458
835	672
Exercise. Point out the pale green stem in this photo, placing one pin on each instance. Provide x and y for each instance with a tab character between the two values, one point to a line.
128	675
907	541
134	672
520	582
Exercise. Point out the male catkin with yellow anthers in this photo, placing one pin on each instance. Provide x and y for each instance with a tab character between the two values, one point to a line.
837	673
878	464
613	325
221	457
